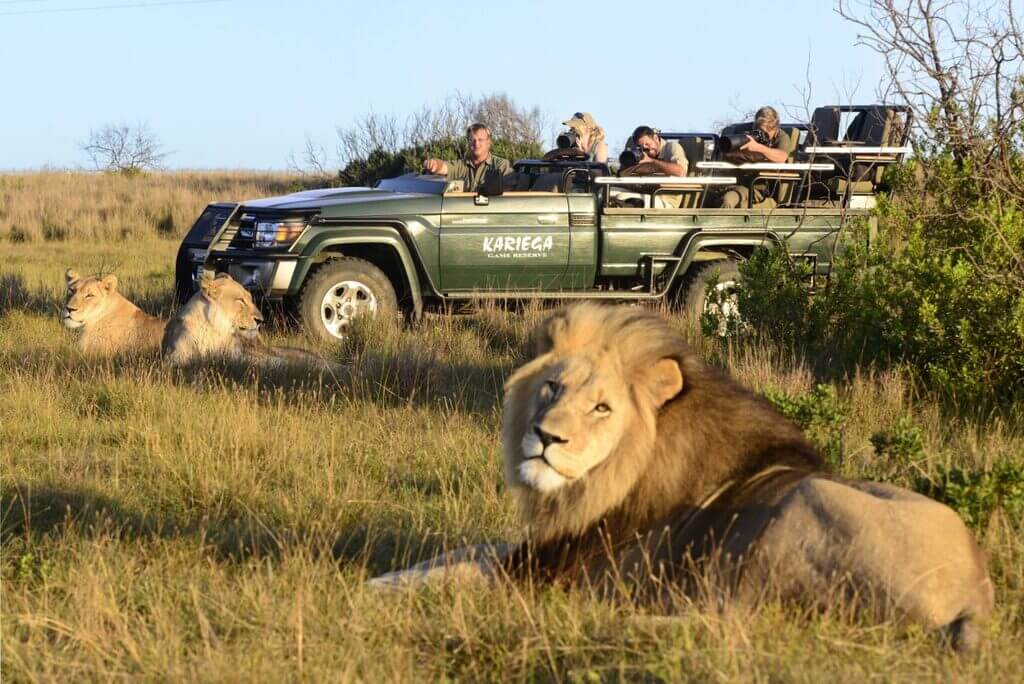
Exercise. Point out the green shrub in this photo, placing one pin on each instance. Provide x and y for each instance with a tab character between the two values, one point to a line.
820	414
940	290
977	494
899	453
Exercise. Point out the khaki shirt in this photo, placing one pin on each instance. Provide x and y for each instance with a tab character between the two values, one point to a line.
671	151
473	176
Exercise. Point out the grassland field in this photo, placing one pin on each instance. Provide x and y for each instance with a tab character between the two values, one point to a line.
219	525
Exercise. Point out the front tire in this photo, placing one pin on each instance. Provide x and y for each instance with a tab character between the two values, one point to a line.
340	291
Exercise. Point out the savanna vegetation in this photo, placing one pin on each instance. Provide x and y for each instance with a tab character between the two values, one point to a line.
221	523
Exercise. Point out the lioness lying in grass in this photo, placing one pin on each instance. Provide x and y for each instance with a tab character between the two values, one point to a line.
108	323
223	320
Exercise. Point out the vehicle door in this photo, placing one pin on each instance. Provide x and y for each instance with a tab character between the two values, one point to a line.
515	241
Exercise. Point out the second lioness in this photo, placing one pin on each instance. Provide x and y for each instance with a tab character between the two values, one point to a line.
223	320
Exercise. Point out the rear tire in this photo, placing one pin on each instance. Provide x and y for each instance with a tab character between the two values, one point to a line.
341	290
697	298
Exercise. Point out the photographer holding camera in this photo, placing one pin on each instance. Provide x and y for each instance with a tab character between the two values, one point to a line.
589	137
657	156
763	144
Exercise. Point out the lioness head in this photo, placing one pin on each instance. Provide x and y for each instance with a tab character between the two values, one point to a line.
87	298
231	306
580	418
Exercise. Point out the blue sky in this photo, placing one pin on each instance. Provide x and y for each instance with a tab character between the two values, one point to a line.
241	83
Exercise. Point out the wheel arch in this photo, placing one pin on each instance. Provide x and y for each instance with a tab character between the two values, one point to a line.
385	249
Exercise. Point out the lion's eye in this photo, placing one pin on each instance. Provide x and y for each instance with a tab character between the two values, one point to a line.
90	295
552	387
602	408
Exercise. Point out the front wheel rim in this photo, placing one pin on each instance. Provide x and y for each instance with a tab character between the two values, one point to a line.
342	303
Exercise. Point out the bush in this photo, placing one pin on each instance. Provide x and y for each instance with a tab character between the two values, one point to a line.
976	494
941	290
820	414
381	164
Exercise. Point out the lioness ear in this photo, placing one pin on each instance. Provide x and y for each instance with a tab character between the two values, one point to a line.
663	380
71	275
109	282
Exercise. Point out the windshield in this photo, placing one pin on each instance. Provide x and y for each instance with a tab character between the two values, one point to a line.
414	182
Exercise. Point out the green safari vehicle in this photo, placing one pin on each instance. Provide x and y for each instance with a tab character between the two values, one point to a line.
566	229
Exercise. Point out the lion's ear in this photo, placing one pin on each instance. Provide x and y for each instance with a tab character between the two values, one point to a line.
71	275
109	282
663	380
549	333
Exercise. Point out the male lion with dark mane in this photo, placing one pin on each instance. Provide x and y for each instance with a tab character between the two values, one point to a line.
635	464
109	323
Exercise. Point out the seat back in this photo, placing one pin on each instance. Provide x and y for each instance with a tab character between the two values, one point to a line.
547	182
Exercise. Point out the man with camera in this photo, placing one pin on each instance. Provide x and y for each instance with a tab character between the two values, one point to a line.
763	144
477	165
656	155
652	155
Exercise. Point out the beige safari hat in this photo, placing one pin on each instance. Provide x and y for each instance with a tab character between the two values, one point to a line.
581	120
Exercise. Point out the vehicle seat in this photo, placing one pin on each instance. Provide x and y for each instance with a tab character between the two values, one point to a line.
547	182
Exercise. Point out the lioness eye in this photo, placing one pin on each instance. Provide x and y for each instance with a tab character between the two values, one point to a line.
551	386
89	295
603	408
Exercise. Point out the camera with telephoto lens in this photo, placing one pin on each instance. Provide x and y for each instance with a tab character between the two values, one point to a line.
629	157
728	143
567	140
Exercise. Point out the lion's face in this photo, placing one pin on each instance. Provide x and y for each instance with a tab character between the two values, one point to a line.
232	305
87	298
581	419
566	414
579	408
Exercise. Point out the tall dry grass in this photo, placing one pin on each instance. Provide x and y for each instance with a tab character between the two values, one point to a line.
58	206
219	524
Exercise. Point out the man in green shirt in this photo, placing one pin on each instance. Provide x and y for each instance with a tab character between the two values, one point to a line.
477	164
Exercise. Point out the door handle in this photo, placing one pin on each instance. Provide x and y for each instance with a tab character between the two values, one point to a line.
547	219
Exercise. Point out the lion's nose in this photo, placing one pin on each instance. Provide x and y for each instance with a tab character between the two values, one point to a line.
547	439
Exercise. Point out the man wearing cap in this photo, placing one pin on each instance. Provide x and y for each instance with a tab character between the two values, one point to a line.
589	136
473	169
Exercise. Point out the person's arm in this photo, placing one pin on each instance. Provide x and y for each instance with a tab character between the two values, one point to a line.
664	167
772	154
601	153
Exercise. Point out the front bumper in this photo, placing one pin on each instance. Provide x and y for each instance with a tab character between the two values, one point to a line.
267	278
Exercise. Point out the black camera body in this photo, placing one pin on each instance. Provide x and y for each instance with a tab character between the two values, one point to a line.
566	140
729	143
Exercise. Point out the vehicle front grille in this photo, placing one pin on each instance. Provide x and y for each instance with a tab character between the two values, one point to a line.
245	238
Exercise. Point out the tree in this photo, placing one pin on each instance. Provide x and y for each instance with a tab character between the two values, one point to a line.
124	149
379	146
958	65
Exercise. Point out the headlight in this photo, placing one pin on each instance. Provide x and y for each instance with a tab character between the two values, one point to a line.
278	233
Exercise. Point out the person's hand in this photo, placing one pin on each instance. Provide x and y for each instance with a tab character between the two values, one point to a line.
752	145
433	165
